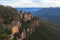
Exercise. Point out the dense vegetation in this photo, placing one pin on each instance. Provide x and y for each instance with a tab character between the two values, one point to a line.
8	14
45	32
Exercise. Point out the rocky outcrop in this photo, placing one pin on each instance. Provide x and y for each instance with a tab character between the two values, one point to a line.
26	32
34	24
21	15
27	16
29	24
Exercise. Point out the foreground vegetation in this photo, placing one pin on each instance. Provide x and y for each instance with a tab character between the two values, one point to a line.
7	15
45	32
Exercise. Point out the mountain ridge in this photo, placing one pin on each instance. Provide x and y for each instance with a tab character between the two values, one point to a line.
50	14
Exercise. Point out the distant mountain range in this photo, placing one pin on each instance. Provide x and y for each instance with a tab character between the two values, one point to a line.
49	14
27	9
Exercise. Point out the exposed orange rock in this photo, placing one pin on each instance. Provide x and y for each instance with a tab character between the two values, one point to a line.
36	21
27	16
14	28
23	34
21	15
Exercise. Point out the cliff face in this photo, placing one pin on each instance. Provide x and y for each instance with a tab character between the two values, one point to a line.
28	27
21	15
26	16
25	25
14	27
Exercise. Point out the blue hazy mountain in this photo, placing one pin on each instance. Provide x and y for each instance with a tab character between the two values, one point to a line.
50	14
28	9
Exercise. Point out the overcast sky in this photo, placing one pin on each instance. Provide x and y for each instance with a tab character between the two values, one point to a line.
31	3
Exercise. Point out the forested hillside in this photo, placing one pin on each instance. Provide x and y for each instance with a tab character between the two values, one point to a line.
8	14
45	32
